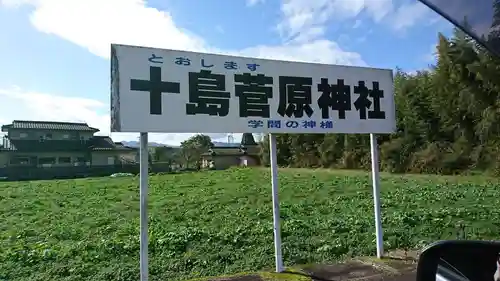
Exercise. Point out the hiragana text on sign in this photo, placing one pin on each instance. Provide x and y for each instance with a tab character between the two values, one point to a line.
205	64
183	61
155	59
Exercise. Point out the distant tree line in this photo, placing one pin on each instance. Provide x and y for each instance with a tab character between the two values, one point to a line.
448	121
187	156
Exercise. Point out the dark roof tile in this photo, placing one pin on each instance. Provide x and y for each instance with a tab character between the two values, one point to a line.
106	143
48	125
235	151
42	146
95	143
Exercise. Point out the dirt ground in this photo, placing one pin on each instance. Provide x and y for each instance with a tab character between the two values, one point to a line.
364	269
397	266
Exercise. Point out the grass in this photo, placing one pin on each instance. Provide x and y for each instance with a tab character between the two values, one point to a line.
220	222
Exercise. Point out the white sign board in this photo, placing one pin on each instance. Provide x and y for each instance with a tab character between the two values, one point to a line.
166	91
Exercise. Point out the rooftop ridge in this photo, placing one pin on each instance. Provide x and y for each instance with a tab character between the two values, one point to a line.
51	122
48	125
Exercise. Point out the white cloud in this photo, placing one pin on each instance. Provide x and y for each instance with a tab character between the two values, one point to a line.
15	3
321	50
251	3
26	105
408	15
132	22
308	34
95	24
300	16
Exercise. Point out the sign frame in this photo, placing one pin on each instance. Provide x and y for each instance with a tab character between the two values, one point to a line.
117	125
186	95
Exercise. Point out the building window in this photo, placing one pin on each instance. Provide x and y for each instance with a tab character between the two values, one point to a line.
48	136
23	135
64	160
65	136
19	161
46	160
42	138
80	160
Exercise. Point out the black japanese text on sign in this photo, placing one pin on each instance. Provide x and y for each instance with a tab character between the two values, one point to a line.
208	94
181	88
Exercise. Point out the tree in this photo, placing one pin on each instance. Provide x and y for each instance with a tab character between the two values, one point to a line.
163	153
193	148
448	120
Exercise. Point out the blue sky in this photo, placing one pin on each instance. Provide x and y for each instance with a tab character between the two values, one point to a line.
54	61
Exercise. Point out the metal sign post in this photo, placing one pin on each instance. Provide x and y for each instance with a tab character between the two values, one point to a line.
150	87
143	187
376	196
276	203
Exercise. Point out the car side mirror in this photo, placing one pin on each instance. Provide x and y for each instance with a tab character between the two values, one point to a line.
460	260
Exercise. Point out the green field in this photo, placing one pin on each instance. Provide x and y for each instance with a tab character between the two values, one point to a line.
220	222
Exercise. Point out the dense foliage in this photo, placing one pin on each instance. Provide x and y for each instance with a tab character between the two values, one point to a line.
188	155
447	118
192	148
220	222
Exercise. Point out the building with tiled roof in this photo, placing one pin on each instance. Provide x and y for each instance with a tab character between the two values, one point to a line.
222	157
56	144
